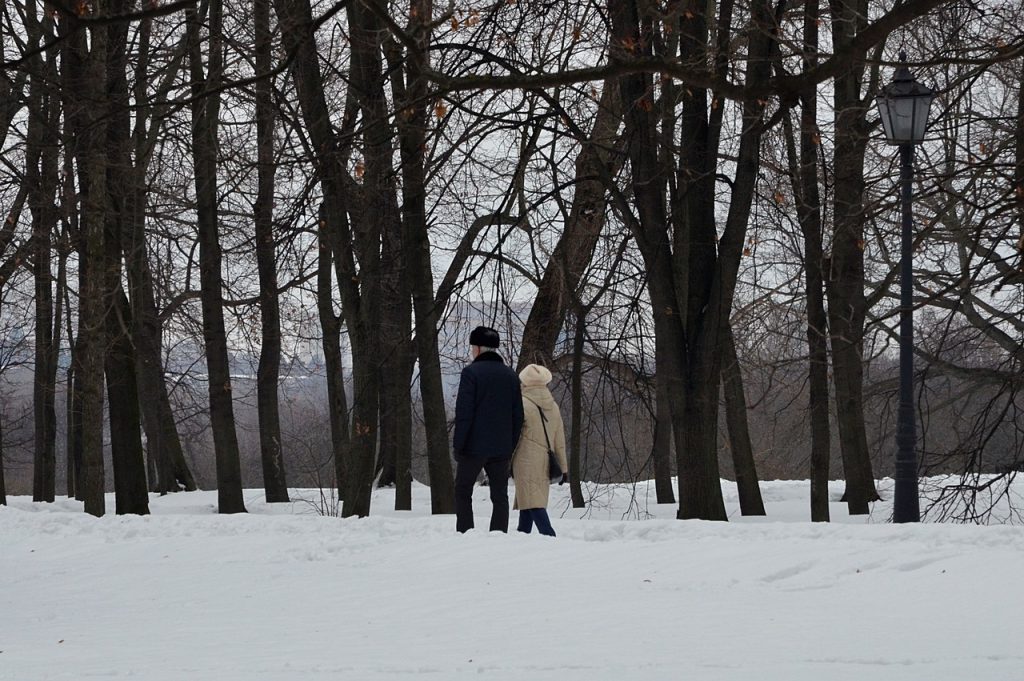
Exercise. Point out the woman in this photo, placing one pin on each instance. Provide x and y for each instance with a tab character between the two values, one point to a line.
542	431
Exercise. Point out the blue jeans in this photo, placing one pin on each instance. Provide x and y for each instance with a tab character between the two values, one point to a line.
529	516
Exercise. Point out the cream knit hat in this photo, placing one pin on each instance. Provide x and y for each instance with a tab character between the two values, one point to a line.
535	374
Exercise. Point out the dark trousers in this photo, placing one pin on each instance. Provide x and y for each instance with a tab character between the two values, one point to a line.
465	479
529	516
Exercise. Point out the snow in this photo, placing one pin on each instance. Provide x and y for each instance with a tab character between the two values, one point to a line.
624	592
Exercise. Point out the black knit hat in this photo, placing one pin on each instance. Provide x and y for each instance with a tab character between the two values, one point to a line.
485	337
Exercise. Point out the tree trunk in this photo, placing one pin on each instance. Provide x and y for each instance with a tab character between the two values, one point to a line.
71	242
691	282
662	445
576	434
6	269
416	243
817	319
361	236
845	284
330	328
394	386
163	445
396	415
74	424
739	433
376	247
205	111
3	484
394	359
162	442
808	204
707	321
696	264
89	107
58	321
700	491
131	493
557	290
267	374
41	177
129	463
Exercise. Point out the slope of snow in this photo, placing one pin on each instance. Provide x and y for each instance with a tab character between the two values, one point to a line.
624	592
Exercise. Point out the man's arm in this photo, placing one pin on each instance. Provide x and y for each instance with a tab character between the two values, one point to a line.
517	414
464	402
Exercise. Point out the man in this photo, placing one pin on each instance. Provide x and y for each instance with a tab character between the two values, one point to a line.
488	419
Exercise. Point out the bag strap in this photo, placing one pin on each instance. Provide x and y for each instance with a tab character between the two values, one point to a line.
543	423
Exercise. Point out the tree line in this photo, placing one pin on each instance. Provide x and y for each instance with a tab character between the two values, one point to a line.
692	199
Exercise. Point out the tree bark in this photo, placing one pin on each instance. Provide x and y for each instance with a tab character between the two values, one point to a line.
576	434
71	242
394	463
41	176
691	283
58	321
700	493
205	110
395	362
163	444
662	445
330	328
74	424
395	405
804	174
744	467
6	269
129	464
375	247
845	285
89	108
416	243
3	483
268	372
131	494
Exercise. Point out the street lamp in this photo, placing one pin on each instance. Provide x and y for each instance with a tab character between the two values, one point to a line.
903	106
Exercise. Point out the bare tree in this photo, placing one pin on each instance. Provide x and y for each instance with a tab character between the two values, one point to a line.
86	106
41	176
205	112
129	468
268	375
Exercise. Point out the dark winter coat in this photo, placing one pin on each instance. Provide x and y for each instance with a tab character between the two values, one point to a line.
488	409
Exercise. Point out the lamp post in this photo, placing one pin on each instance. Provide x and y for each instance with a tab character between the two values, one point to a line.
903	106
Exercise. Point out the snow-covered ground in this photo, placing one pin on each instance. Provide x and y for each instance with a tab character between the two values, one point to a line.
624	593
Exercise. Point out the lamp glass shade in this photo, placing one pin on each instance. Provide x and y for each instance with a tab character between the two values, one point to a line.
903	106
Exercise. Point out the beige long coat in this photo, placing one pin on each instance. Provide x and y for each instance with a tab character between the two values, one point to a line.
530	460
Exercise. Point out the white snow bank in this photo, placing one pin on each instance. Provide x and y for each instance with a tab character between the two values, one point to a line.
283	594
